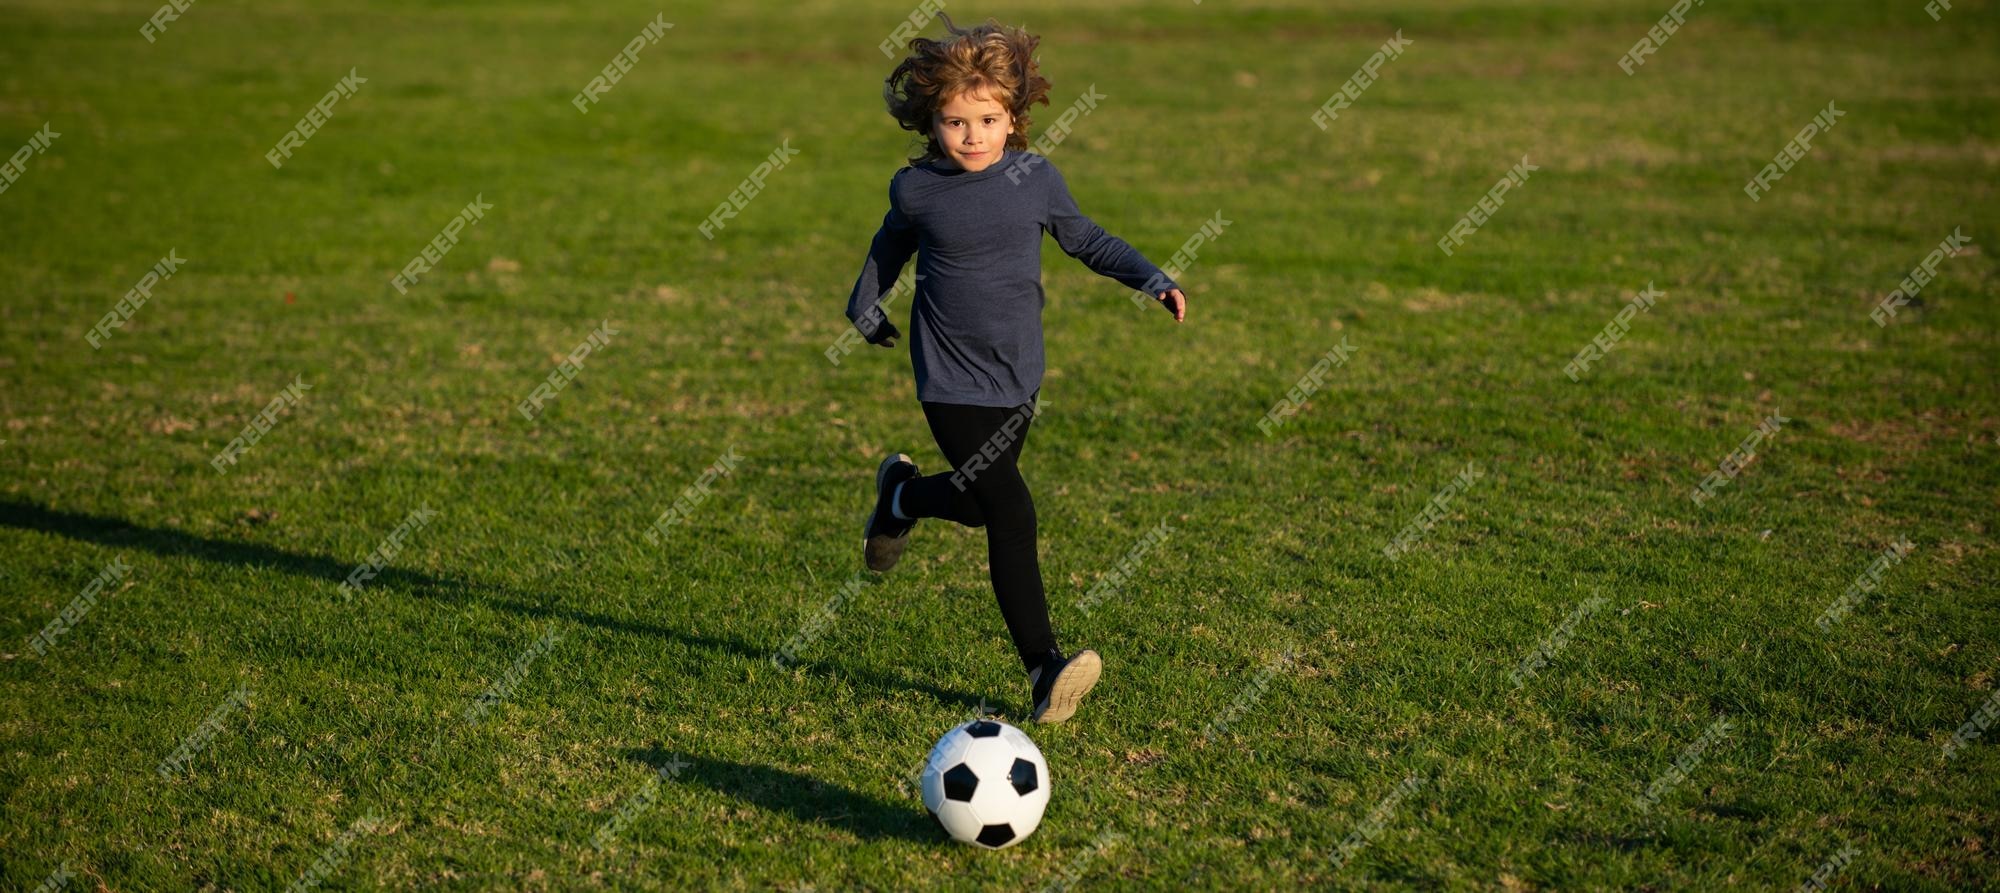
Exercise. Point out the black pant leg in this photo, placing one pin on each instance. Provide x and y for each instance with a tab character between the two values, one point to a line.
983	445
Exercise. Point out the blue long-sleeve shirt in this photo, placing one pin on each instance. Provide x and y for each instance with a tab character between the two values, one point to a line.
976	319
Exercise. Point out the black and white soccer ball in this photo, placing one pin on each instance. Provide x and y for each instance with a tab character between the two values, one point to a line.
986	784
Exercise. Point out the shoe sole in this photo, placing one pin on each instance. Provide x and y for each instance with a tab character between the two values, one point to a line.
881	553
1077	678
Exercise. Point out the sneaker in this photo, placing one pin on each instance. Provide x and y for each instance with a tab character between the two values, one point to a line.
1059	684
885	533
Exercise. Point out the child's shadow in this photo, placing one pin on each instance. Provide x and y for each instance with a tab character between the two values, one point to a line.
810	799
119	533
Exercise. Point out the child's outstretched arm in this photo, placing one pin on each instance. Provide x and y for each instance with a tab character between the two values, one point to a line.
894	242
1104	253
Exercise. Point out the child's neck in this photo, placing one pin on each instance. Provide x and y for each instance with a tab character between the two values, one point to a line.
946	162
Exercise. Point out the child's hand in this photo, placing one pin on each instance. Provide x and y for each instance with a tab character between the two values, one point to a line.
886	334
1175	302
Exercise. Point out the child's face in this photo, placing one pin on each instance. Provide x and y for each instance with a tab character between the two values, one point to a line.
972	129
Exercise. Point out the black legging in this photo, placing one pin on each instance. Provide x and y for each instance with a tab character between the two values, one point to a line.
985	489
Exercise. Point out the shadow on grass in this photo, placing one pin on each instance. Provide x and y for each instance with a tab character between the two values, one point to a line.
160	541
807	798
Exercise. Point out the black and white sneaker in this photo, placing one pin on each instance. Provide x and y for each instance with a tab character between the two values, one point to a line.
1059	684
886	534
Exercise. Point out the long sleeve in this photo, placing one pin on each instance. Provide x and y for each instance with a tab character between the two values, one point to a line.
1105	254
894	243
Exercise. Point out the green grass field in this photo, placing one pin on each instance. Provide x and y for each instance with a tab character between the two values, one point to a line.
529	677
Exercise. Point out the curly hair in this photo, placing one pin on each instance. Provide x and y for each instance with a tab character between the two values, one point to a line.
990	58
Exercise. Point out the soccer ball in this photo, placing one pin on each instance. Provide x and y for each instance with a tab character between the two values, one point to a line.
986	784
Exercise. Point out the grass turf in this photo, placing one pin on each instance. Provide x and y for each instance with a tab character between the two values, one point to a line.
628	686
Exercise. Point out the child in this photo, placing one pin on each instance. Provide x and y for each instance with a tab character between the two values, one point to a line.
973	209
